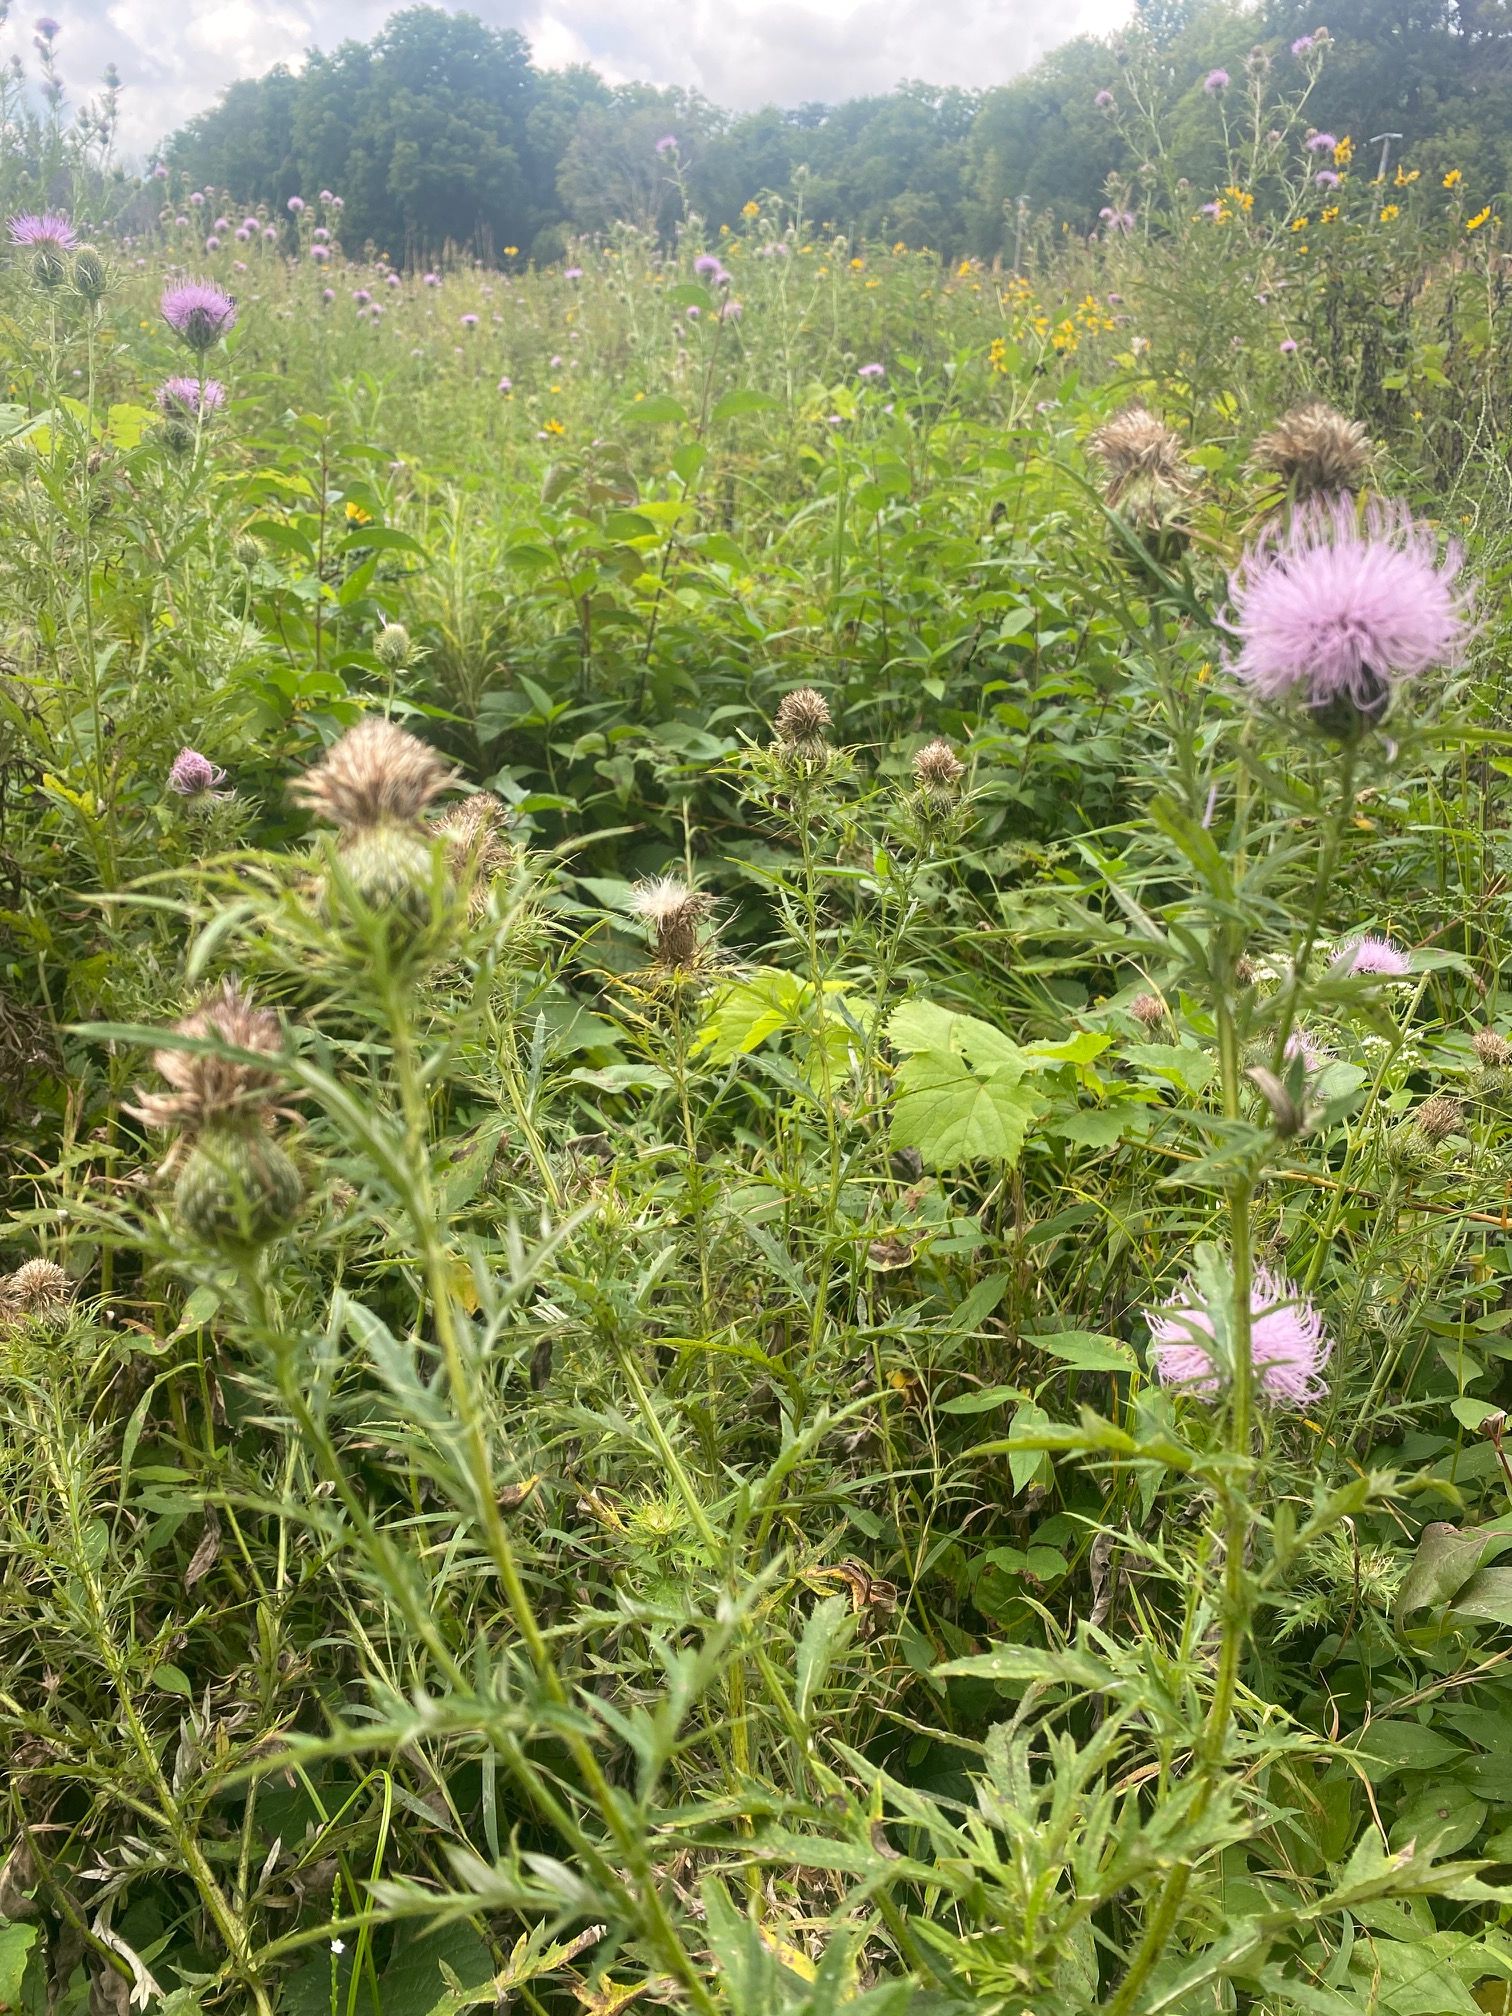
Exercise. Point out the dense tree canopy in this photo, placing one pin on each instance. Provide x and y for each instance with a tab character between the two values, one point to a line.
442	129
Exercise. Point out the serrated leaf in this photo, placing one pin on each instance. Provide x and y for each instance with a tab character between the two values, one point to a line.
954	1115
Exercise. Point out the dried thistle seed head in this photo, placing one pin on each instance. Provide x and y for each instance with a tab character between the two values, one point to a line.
674	912
377	774
1148	1010
1493	1052
478	853
1315	450
208	1090
803	718
1135	444
39	1289
937	767
1437	1117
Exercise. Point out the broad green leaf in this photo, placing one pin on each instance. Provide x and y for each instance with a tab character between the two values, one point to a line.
1087	1351
919	1025
955	1116
744	400
16	1942
1445	1560
660	410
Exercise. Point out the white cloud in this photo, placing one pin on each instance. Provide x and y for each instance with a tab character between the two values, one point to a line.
741	53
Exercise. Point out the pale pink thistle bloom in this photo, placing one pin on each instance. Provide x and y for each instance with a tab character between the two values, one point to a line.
1371	955
1321	143
1215	82
1288	346
193	776
49	232
1326	179
1288	1344
196	201
871	371
1302	1043
1341	613
1104	101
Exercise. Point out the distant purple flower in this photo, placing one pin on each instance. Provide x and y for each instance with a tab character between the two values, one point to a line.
326	196
1288	346
1326	179
221	224
251	224
705	264
1215	83
667	144
871	371
320	253
196	200
270	234
361	296
730	311
199	312
159	171
1340	613
50	232
392	280
1368	955
1322	143
469	321
295	205
1103	101
47	28
1118	222
433	279
338	202
572	272
1288	1344
52	90
1302	44
506	385
1212	209
328	293
1302	1043
212	243
242	234
192	775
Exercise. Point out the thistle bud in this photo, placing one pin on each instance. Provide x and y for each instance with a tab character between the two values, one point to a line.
246	551
373	786
1149	1011
48	267
91	279
238	1188
392	647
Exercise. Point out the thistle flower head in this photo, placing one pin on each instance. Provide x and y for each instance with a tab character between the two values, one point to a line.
199	312
475	834
210	1090
186	398
1315	450
937	768
40	1290
674	912
47	231
803	718
1340	612
1148	1010
376	775
1492	1052
1288	1344
1437	1118
193	776
1133	444
1304	1044
1370	955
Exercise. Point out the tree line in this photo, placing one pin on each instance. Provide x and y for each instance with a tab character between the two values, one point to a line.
442	129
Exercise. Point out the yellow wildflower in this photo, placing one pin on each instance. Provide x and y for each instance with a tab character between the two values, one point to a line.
1405	177
857	265
1453	179
751	209
511	251
1344	152
1299	224
1474	223
355	513
555	427
1330	215
1241	197
1390	211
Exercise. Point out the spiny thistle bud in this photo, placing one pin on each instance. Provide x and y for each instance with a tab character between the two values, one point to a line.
1493	1052
674	913
48	267
91	278
1438	1117
238	1188
376	775
392	647
1149	1011
19	459
246	551
40	1292
1315	451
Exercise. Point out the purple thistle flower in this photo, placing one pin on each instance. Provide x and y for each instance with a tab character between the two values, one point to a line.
251	224
469	321
187	397
1370	954
1288	346
47	28
506	385
694	311
270	233
159	171
1118	222
198	312
872	371
326	196
1215	82
196	201
667	144
1341	612
1302	45
49	232
705	264
1104	100
1322	143
361	296
433	280
295	205
1302	1043
572	272
320	253
242	234
212	243
1212	209
1326	179
192	775
730	311
1288	1344
221	224
328	293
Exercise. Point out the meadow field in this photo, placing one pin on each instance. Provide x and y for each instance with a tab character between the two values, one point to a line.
755	1061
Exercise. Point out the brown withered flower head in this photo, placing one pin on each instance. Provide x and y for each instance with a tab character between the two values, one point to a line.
209	1090
1148	1010
937	768
1134	447
803	718
1493	1052
478	852
1315	451
1437	1117
674	913
38	1290
378	774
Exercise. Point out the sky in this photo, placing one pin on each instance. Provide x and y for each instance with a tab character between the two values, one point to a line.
175	60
